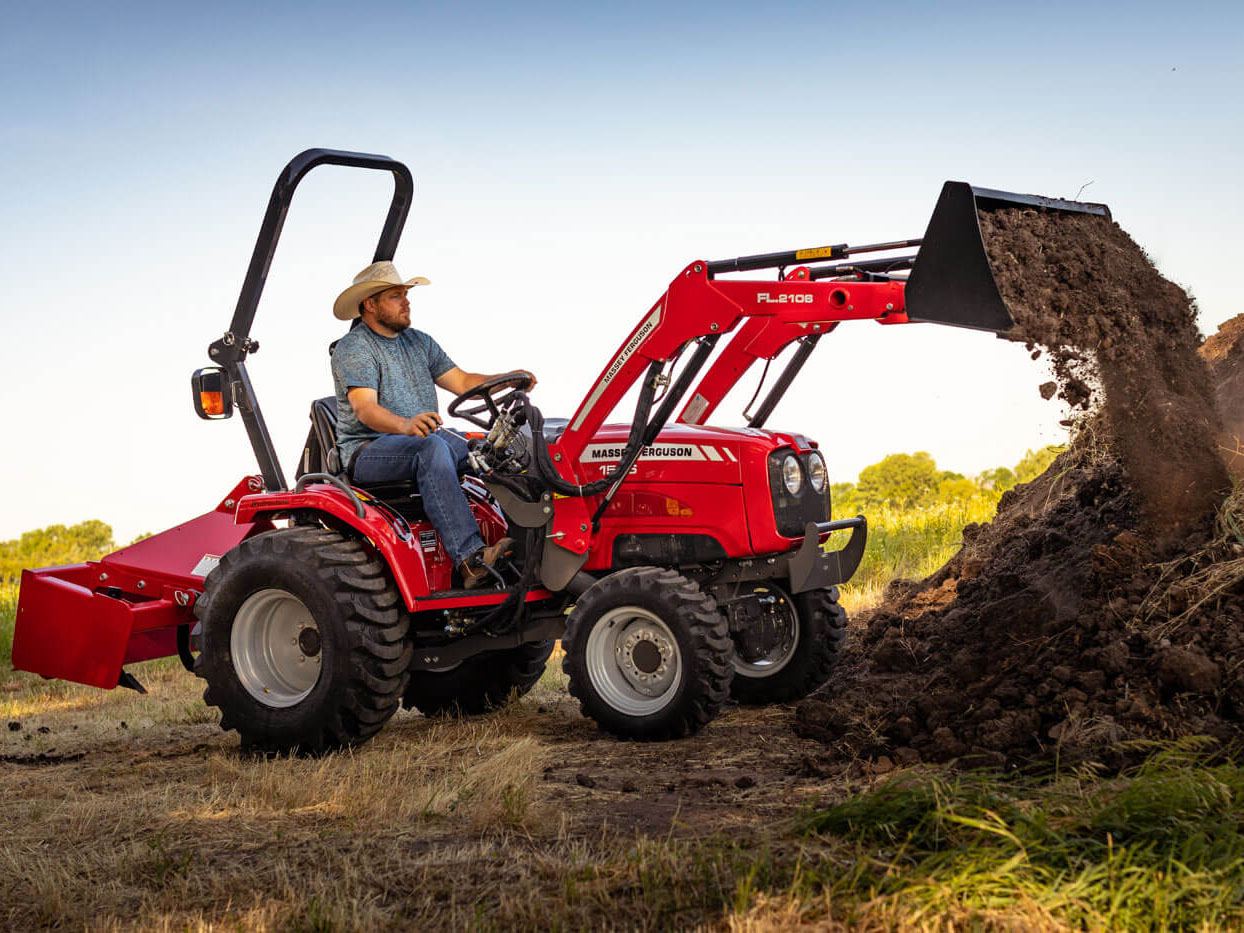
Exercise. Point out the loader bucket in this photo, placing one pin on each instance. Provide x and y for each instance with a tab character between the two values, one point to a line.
951	281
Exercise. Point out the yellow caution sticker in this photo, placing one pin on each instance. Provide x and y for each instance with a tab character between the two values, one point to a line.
817	252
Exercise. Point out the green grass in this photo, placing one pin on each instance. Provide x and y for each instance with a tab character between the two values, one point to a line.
8	609
1159	847
910	544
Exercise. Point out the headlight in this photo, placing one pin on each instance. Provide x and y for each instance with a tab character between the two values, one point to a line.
817	474
792	475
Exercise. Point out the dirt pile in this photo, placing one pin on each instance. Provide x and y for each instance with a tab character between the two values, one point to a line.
1056	629
1225	354
1102	603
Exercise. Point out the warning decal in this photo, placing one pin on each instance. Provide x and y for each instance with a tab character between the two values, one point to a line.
207	563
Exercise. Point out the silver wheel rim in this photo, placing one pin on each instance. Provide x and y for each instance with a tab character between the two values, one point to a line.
633	661
276	648
780	656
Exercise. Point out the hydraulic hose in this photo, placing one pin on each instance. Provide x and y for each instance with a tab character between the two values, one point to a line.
512	613
543	461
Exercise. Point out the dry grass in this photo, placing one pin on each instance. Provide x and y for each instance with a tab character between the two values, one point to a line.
530	819
129	812
139	831
1193	583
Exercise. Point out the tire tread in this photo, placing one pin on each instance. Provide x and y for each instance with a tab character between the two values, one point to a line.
823	633
374	627
712	650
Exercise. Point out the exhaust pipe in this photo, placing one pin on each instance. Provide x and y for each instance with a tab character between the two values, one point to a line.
951	280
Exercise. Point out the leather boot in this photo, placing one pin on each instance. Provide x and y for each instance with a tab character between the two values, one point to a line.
473	568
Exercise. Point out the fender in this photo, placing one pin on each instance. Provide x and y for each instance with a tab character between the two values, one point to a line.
388	533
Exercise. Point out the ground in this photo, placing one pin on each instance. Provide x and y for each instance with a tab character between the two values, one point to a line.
132	812
137	811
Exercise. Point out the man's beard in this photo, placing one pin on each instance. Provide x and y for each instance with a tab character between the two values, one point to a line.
393	321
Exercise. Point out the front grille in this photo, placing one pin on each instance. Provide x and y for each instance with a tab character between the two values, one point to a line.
792	513
666	550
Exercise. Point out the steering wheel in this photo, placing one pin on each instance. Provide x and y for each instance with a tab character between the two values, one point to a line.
491	396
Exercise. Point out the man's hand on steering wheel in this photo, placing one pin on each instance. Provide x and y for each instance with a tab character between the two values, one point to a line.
491	396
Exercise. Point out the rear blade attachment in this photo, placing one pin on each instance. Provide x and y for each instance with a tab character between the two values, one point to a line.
951	281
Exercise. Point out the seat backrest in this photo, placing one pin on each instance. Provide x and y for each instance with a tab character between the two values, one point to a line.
319	455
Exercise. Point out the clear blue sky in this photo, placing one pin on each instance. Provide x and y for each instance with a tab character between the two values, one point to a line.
569	160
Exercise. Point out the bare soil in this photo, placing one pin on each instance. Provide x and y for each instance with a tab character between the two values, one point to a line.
1103	603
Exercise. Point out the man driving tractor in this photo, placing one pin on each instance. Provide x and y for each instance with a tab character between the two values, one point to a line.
385	373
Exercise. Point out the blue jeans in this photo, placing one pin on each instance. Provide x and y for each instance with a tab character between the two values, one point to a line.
433	462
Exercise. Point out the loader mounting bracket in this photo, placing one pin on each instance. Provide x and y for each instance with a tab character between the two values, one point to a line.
809	567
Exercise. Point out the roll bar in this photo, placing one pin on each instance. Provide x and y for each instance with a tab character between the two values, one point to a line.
230	350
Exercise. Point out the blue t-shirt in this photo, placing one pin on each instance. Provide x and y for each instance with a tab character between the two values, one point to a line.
401	369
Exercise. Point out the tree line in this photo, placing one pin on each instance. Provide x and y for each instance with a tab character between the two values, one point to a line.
53	546
913	481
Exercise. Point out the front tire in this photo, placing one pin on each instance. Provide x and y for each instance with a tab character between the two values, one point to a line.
803	660
304	643
648	654
479	684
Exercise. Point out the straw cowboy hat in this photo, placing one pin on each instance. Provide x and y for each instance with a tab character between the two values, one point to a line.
376	278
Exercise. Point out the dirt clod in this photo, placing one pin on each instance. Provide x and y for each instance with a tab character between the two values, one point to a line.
1188	669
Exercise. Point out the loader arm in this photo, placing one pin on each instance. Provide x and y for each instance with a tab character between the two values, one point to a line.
699	307
765	338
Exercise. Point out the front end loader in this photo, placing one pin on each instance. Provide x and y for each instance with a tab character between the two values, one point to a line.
680	564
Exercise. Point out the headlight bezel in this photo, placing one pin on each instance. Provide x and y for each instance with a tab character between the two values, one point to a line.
792	474
818	472
791	513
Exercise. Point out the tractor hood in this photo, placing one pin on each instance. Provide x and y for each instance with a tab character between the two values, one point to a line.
687	453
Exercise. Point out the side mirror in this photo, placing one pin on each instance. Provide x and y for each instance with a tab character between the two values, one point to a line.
212	399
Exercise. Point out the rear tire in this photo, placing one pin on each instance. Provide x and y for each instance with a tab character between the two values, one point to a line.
304	645
821	630
479	684
648	654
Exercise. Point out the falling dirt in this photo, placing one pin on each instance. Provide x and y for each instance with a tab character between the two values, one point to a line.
1079	286
1103	603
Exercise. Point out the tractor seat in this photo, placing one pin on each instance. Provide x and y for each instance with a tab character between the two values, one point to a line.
320	455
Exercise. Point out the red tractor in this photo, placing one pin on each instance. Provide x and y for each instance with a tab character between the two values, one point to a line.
681	565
